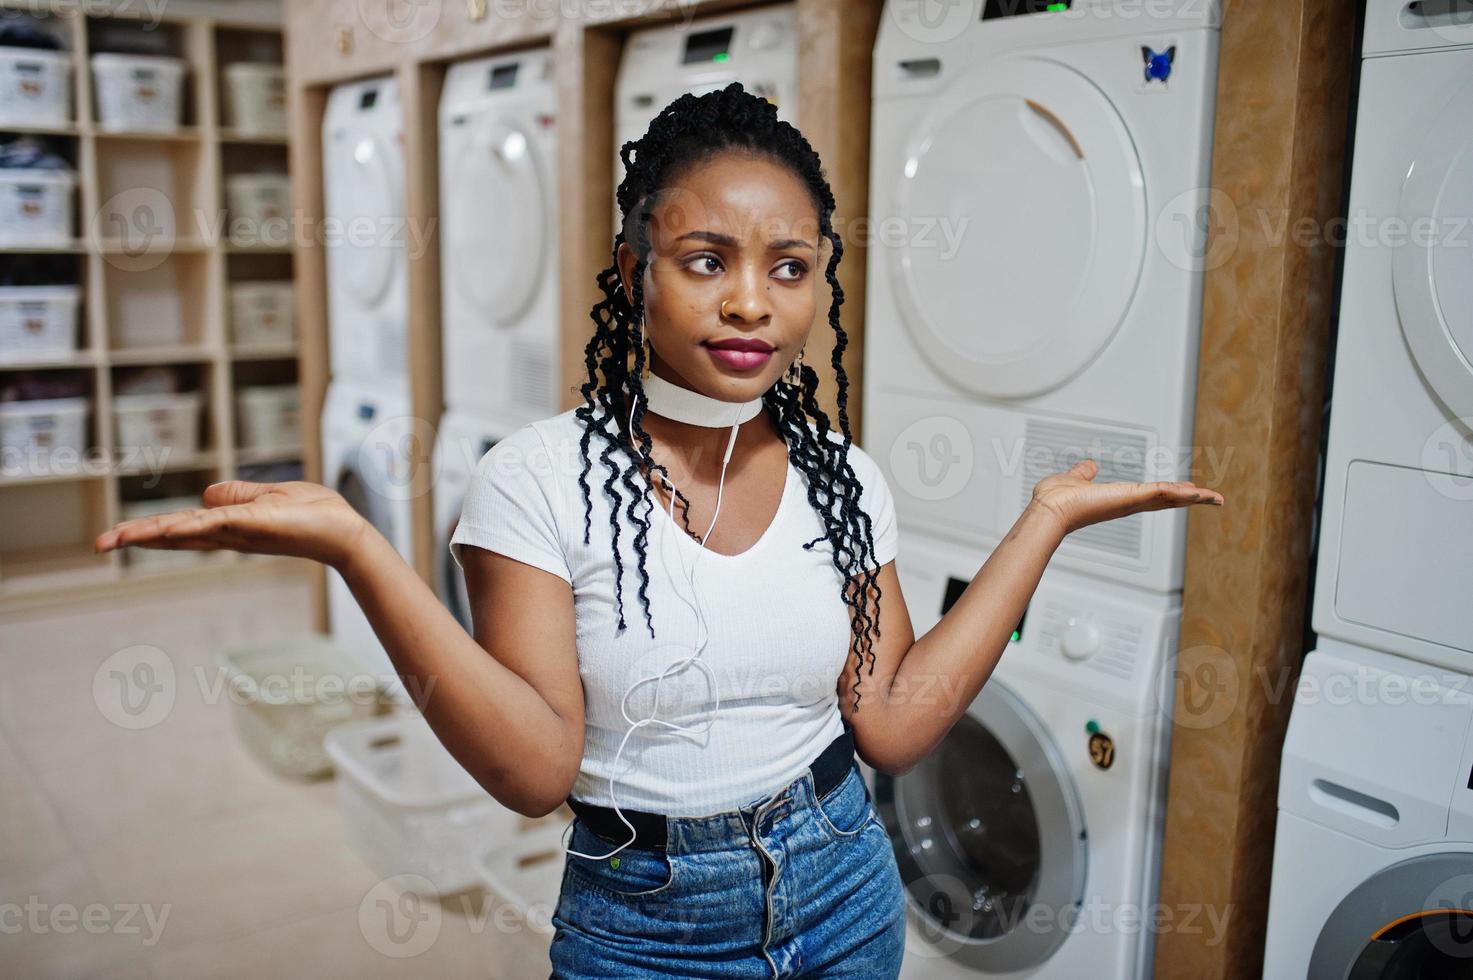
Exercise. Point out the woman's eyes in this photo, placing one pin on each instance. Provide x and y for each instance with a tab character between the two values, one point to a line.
710	265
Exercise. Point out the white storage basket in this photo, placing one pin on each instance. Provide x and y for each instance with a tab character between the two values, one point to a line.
259	206
156	423
32	432
409	808
288	694
37	322
255	98
158	557
34	87
138	92
527	870
270	416
36	206
263	314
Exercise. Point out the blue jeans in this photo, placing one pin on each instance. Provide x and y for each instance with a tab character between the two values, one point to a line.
788	886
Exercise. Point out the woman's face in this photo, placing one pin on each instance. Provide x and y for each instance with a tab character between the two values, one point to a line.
734	256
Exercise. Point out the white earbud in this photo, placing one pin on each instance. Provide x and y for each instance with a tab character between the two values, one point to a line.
674	667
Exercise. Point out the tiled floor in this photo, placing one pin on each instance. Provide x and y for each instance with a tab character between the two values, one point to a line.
166	850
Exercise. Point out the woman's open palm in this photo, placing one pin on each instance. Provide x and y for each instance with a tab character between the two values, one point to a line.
1079	502
296	518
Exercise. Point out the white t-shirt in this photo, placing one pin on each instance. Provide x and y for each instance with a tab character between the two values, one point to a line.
778	630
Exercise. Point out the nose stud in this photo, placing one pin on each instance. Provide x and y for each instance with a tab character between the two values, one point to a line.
723	307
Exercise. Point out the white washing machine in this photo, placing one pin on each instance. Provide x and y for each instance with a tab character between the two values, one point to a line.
1398	491
368	447
758	48
1373	859
1030	839
366	234
1039	205
498	178
460	443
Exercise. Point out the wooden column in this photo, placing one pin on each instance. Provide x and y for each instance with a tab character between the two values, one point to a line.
1277	166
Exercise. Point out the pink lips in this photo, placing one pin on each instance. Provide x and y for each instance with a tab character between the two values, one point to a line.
741	355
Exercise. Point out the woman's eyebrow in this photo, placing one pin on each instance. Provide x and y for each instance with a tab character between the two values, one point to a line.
716	238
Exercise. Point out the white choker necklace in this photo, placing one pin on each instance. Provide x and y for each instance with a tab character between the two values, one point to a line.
683	405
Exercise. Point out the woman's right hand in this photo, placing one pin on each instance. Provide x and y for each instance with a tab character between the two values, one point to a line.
297	518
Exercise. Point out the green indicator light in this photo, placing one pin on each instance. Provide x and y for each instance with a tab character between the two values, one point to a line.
720	56
1092	726
1017	636
1057	6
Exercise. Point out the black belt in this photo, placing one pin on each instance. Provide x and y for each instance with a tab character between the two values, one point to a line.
829	770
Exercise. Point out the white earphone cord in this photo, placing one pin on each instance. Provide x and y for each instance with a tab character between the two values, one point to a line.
674	667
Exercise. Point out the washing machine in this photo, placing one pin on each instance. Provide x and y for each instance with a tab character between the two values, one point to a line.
757	47
1398	485
460	443
365	233
1373	858
498	177
368	455
1030	838
1038	236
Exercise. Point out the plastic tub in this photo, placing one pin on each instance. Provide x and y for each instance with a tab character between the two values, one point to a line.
158	422
138	92
36	206
527	870
158	557
255	98
289	693
37	322
263	313
409	808
254	200
270	416
30	431
35	86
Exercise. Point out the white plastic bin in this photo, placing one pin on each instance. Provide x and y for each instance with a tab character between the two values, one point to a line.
34	87
289	693
526	870
156	423
138	92
409	808
36	206
259	206
270	416
37	322
158	557
32	432
255	98
263	314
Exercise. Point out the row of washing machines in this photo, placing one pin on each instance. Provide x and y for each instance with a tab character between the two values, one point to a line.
1038	235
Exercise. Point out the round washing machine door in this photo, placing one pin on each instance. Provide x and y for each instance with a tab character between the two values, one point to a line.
1019	227
989	835
367	200
1433	275
359	488
497	226
1411	921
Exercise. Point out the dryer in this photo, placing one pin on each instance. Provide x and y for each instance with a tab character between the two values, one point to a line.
1030	839
368	437
1039	209
1373	859
365	233
498	179
757	47
1398	486
460	443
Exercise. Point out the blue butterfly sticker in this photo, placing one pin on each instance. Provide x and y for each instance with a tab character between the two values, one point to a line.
1158	63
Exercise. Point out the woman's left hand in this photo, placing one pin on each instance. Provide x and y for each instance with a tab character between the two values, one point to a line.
1076	502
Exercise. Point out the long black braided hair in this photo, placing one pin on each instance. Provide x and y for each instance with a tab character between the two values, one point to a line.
687	131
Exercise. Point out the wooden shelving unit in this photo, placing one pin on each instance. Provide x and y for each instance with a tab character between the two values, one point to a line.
190	262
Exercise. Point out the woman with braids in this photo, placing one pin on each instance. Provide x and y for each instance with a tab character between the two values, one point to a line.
695	689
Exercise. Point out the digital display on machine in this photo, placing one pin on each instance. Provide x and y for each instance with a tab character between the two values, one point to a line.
1012	8
368	98
954	589
712	45
503	76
